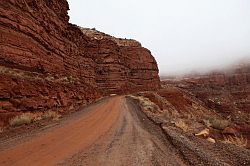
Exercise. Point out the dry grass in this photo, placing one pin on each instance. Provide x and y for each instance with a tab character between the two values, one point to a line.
25	118
68	79
50	78
146	104
37	118
182	125
35	76
235	140
51	115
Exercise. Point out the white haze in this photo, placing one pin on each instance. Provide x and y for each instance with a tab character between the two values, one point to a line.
183	35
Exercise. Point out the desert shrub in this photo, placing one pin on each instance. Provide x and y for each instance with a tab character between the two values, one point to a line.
182	125
219	123
51	115
25	118
235	140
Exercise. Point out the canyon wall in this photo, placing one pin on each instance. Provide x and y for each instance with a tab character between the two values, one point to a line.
47	63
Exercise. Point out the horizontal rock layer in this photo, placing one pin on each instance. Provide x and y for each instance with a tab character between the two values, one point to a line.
45	59
121	65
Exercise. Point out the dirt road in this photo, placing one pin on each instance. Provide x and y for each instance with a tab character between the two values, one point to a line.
108	133
115	132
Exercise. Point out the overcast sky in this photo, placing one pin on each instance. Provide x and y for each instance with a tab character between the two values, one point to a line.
183	35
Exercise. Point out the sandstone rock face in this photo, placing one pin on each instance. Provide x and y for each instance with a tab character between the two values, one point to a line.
48	63
122	65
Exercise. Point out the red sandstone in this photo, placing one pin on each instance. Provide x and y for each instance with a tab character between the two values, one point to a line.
48	63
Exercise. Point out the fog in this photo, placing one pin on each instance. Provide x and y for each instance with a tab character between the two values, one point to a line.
183	35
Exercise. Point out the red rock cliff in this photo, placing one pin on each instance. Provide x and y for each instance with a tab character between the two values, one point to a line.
122	65
48	63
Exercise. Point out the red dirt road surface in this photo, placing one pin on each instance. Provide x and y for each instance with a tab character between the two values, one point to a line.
113	132
107	133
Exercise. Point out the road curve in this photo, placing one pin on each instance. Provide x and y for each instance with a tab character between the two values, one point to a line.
112	132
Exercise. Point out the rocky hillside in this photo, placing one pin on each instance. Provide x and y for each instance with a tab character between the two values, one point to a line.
212	109
46	63
225	92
